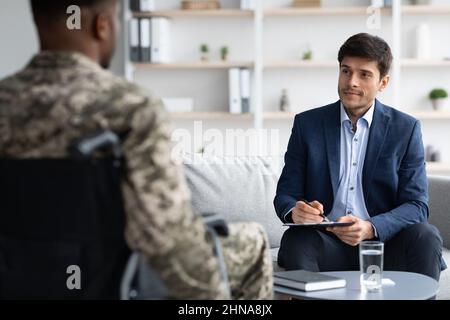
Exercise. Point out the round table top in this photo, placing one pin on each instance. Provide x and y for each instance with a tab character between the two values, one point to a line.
408	286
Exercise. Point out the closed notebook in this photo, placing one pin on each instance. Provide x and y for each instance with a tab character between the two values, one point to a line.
307	280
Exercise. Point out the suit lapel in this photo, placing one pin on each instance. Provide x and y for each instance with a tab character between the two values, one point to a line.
333	138
377	136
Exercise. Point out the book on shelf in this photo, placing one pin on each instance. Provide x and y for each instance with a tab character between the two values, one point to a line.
307	280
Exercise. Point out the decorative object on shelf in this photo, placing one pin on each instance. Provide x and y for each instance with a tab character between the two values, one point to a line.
306	3
200	5
178	104
420	2
423	43
204	50
284	101
438	98
432	154
224	51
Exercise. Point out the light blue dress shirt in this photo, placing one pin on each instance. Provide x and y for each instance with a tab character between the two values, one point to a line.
349	199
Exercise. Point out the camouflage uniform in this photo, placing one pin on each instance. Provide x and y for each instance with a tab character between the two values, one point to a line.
62	96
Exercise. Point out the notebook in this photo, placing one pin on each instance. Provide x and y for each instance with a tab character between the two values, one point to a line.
307	280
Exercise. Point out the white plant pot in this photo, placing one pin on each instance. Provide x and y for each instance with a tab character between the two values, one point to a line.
439	104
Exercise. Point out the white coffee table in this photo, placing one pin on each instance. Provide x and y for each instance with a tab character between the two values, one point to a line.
408	286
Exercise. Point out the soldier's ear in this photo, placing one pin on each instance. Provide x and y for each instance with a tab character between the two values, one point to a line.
102	28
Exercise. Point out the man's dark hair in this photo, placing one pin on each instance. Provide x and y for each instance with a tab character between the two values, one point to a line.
364	45
56	8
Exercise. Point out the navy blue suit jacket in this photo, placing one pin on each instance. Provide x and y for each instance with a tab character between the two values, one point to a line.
394	179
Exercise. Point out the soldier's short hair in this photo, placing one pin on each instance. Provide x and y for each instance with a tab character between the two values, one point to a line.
52	8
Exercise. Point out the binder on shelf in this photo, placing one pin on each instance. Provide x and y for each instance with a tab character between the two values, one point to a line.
248	5
145	45
142	5
147	5
134	40
234	91
160	40
245	89
135	5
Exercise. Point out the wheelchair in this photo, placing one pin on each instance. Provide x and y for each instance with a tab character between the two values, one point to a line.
61	215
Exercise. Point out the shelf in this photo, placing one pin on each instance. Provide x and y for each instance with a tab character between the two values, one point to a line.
333	63
421	115
431	115
424	63
210	116
277	115
426	9
225	13
319	11
194	65
438	167
301	64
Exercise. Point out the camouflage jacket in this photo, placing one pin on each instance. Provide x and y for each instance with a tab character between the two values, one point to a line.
60	96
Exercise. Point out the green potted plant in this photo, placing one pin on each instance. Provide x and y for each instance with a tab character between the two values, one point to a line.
438	97
204	50
307	55
224	53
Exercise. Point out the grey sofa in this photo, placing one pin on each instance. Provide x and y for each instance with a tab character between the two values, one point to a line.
242	189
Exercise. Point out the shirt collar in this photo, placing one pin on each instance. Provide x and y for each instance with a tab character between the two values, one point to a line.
368	116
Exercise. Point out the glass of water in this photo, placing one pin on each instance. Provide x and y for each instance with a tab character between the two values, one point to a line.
371	265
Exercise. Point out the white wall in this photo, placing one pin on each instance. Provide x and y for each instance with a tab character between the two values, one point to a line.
18	38
284	38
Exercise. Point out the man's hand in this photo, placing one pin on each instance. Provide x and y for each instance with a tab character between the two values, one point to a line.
304	213
354	234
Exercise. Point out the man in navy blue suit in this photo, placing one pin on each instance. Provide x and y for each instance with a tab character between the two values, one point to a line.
361	161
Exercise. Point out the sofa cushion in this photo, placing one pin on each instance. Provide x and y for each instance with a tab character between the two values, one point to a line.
439	204
444	281
238	188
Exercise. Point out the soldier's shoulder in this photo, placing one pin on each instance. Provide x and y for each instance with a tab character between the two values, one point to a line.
127	93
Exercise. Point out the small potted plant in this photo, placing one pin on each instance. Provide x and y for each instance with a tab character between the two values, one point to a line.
307	55
438	97
204	50
224	53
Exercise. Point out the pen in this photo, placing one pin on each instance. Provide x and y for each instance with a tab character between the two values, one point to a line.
321	214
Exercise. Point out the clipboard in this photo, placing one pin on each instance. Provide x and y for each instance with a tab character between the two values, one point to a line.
321	225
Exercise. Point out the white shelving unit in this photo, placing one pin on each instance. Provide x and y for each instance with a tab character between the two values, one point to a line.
263	68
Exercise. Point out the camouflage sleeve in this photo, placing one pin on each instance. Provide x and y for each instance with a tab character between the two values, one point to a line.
160	221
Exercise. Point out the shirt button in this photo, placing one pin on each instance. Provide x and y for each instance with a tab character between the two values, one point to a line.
349	212
356	139
354	163
351	188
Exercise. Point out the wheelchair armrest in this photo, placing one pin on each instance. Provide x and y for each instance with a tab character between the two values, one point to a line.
216	222
86	146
